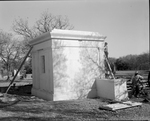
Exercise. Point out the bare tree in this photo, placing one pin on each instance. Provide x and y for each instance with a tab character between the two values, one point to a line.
47	22
10	51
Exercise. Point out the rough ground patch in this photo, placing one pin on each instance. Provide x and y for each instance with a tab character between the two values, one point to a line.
30	108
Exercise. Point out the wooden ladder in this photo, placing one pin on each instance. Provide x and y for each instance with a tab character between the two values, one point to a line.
109	66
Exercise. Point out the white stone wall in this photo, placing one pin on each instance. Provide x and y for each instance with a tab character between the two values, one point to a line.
42	82
112	89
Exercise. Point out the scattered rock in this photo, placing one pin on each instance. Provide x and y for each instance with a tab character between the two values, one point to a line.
32	97
1	95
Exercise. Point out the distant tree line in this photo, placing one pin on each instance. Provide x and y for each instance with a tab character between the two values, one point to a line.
132	62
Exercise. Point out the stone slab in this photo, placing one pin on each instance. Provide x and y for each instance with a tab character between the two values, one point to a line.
121	105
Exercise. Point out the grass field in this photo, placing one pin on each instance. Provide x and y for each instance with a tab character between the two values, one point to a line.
129	74
31	108
34	109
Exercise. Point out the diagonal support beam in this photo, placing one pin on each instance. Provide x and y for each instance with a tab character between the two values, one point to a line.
18	70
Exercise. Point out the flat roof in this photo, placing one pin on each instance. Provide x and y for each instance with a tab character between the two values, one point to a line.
68	35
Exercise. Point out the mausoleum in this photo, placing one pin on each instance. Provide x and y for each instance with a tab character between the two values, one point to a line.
43	68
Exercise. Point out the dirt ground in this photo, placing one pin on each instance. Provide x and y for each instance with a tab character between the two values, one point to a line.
31	108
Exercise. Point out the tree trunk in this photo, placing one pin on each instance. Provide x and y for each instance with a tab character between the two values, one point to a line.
8	78
8	70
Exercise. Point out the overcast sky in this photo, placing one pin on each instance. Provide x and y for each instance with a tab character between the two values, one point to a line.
124	22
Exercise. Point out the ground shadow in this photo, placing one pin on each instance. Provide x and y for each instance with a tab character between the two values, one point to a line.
33	119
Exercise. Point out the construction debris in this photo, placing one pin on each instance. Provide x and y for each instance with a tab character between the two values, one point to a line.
120	105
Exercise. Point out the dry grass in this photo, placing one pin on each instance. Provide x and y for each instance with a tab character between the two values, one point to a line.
30	108
34	109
